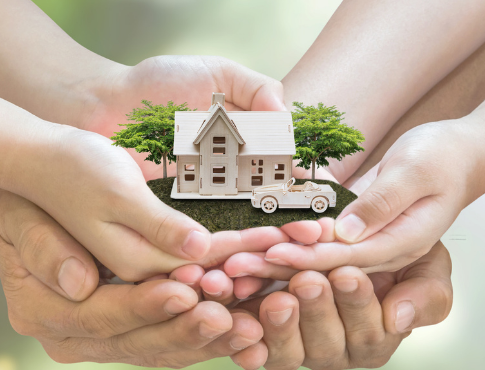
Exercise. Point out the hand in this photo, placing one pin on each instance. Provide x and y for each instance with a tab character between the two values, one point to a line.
190	79
157	323
111	211
420	188
349	319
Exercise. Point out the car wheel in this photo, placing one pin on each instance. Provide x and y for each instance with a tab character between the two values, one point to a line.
269	204
319	204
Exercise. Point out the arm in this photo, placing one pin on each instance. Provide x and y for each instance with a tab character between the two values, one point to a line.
375	59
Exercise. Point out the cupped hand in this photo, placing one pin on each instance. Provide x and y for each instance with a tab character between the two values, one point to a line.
157	323
190	79
405	204
349	319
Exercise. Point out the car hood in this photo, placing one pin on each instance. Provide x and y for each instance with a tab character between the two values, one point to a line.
266	188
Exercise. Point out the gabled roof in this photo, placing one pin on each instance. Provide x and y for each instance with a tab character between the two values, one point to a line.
215	111
265	133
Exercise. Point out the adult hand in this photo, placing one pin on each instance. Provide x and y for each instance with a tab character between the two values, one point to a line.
423	182
349	319
157	323
190	79
111	211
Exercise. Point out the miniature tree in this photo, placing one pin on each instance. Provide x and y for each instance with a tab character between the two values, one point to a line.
320	134
152	133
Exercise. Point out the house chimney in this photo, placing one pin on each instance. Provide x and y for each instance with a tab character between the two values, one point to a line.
218	98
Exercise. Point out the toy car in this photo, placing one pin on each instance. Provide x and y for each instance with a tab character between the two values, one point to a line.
289	195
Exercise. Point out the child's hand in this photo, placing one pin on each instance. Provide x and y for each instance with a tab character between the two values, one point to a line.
98	194
190	79
427	177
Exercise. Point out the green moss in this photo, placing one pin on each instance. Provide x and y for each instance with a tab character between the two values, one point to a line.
218	215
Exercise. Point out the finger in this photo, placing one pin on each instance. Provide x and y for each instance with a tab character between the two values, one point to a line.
190	275
254	264
227	243
321	328
248	89
218	287
392	192
151	345
305	232
169	230
361	314
253	357
246	332
279	316
424	294
248	285
396	246
110	310
47	251
191	330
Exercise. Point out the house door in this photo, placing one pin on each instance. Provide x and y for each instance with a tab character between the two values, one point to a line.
189	177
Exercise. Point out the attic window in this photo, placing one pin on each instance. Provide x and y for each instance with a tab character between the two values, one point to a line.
189	167
219	139
279	167
219	150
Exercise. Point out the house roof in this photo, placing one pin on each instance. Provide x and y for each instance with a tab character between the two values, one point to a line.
215	111
264	133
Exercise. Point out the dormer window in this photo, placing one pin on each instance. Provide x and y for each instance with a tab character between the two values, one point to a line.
219	140
218	146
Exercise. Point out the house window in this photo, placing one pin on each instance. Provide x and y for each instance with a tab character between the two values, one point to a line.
189	177
219	140
189	167
260	170
256	180
279	176
260	162
219	150
253	162
279	167
219	169
218	180
254	170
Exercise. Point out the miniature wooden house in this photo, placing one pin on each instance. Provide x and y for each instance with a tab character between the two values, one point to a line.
221	153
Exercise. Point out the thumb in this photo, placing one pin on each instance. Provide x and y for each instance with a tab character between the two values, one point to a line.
393	191
424	296
251	90
46	250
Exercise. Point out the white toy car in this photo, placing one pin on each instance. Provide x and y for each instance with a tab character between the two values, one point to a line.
289	195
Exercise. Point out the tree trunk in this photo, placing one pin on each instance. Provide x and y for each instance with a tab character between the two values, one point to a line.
314	165
165	166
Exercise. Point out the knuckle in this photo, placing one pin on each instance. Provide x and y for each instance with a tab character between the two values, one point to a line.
95	323
34	241
382	204
369	338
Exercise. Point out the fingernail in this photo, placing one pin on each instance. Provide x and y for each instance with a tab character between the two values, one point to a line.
174	306
217	294
239	342
349	228
309	292
278	318
72	275
208	332
195	245
277	261
405	316
346	285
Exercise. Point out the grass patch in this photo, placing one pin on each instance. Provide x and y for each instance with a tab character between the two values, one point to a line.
219	215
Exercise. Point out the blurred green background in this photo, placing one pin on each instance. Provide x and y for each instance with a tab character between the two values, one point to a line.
269	36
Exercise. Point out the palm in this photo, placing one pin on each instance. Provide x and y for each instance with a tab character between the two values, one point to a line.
190	79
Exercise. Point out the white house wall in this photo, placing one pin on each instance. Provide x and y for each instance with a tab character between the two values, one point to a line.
247	170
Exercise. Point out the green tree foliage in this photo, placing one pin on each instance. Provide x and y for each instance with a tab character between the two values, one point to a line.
152	133
320	134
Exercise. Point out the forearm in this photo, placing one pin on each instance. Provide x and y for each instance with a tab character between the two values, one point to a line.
375	59
45	71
